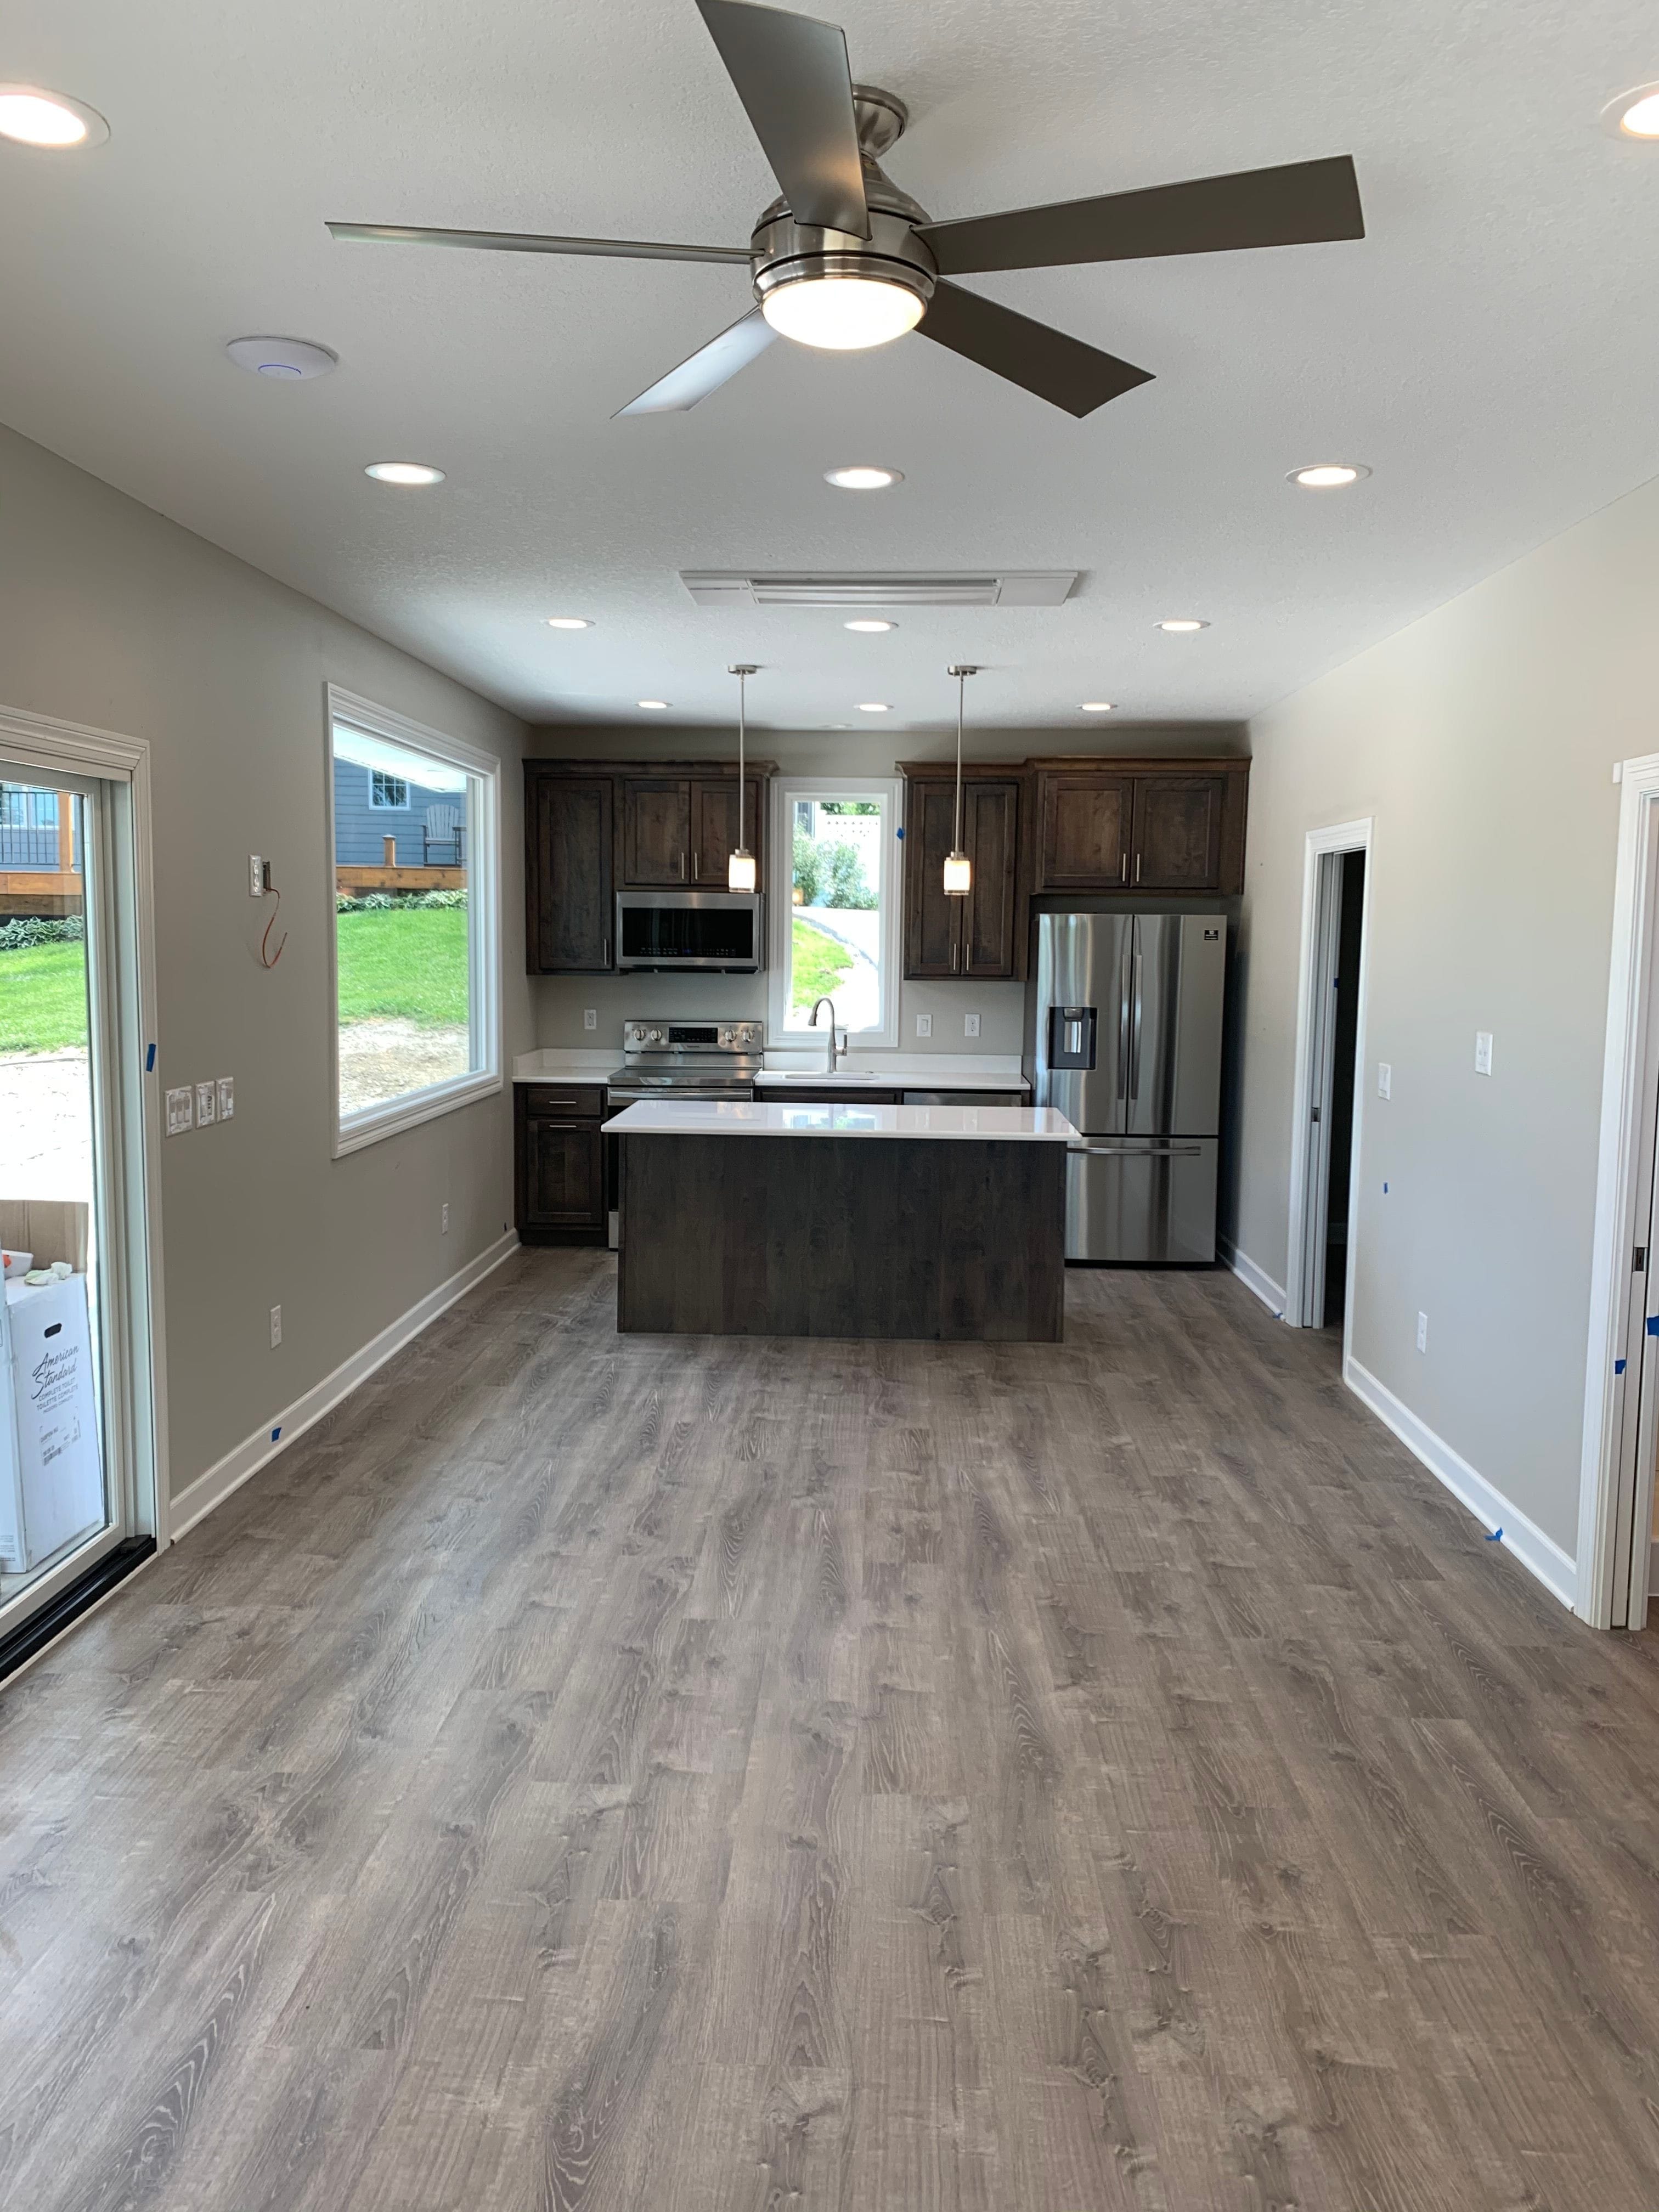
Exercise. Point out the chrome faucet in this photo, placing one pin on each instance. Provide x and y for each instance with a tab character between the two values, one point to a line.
812	1022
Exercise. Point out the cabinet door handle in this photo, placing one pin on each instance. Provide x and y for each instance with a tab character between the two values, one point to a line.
696	863
955	954
681	867
1137	867
1123	872
604	957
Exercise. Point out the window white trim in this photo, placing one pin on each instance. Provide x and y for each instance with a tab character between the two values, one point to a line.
780	846
353	1131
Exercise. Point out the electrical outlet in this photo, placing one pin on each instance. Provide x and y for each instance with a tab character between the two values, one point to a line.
227	1097
1483	1052
256	876
924	1025
590	1017
205	1105
446	1217
180	1112
970	1025
276	1326
1384	1079
1422	1332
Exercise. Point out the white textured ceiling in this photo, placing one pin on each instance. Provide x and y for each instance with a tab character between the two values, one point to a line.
1489	349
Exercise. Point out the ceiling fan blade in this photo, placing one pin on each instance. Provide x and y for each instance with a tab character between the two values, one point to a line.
792	76
709	368
1060	370
1299	204
530	241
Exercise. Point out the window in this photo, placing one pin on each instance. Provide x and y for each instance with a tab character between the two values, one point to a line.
417	924
835	905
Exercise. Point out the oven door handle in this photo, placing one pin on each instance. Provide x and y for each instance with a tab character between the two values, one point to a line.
1146	1151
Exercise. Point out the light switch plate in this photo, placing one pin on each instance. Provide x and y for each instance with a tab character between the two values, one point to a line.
181	1115
1483	1052
590	1017
205	1105
970	1025
1422	1332
227	1097
924	1025
1384	1079
256	876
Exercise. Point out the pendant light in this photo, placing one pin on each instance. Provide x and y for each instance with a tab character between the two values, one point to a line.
740	862
958	868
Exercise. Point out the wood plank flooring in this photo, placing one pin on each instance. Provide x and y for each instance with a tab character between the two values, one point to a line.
726	1775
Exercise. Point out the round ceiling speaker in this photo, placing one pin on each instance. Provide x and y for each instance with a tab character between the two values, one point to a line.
285	359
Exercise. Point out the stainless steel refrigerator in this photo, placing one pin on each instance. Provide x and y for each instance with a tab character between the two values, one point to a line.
1123	1034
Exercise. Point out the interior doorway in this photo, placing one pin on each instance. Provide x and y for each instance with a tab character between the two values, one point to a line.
80	1443
1325	1127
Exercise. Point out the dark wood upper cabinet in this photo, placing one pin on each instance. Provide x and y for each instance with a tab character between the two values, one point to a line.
974	935
714	825
567	875
1177	832
1166	826
990	832
1086	821
656	831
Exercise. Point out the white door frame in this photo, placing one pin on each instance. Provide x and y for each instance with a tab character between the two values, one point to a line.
1628	1075
1312	1066
41	743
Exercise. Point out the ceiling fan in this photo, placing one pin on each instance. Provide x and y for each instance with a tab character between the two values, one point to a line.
846	259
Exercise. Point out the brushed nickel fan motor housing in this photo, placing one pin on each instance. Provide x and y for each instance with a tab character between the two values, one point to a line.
785	251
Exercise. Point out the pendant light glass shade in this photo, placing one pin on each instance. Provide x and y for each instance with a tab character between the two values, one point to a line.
958	868
740	861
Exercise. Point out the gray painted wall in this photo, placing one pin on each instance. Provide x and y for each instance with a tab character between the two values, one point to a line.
111	615
1001	1006
1481	740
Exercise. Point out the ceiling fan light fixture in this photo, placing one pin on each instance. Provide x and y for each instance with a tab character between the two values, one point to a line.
1634	114
416	473
1329	475
862	477
1182	625
842	314
31	116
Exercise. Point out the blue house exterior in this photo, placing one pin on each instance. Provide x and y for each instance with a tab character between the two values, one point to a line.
371	806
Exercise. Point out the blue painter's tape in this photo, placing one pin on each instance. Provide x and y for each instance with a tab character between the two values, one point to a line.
150	1060
1653	1324
1496	1537
899	832
1618	1366
1385	1190
275	1434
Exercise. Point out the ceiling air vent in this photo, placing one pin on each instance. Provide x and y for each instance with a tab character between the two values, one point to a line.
1012	587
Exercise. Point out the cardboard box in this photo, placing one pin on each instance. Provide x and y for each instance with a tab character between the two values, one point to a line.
51	1473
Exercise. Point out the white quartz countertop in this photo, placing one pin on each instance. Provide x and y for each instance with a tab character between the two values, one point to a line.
862	1072
909	1078
721	1117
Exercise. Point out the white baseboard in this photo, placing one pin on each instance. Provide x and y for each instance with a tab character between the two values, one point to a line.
1538	1554
199	1497
1255	1280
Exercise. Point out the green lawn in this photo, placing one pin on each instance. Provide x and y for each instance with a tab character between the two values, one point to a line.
43	997
819	964
408	964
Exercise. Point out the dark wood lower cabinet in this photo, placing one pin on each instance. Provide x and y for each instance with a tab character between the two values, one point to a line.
559	1164
859	1237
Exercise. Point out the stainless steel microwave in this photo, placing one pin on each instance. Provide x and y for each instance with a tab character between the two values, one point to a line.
719	931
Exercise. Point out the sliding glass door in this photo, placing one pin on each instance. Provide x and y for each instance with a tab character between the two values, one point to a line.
71	1185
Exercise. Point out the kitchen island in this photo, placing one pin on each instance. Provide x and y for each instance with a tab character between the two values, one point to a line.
779	1219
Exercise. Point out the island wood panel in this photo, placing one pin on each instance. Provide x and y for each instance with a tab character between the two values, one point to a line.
865	1236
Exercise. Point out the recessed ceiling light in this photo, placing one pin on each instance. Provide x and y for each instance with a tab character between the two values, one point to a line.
655	706
404	472
1327	476
862	478
29	116
1634	114
1179	625
870	625
285	361
874	706
568	621
1096	706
